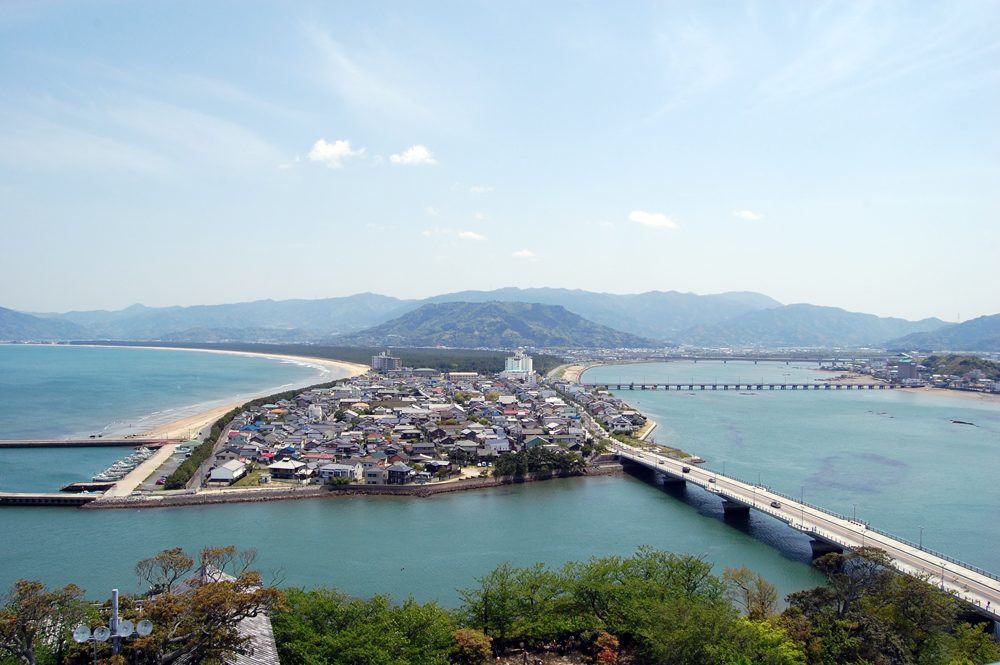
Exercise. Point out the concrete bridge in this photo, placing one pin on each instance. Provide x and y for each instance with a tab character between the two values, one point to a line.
829	532
788	360
688	385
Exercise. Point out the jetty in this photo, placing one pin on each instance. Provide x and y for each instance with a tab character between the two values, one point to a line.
45	499
84	443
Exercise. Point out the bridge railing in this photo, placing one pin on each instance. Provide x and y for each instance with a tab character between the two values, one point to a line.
916	546
904	541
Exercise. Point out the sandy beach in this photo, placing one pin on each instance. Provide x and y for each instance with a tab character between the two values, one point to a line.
186	427
968	395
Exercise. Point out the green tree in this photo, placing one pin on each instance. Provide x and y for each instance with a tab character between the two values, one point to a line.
327	626
33	618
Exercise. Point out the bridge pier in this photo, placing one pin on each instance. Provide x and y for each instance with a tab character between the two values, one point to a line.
663	479
819	548
733	508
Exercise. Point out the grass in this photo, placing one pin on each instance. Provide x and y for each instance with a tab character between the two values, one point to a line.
252	479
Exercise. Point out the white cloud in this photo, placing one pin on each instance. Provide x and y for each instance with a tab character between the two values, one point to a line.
480	190
418	154
289	165
431	211
437	232
479	215
605	224
332	153
746	214
655	219
469	235
524	254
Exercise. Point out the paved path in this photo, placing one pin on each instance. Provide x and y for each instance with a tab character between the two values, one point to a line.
126	485
980	588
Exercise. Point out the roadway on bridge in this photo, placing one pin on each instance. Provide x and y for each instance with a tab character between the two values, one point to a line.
980	590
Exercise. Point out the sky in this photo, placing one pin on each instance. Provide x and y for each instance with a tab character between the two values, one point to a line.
183	153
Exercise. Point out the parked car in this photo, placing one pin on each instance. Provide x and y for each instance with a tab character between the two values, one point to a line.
161	481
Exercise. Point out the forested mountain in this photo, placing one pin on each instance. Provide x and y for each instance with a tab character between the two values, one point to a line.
804	326
982	334
15	326
493	325
658	314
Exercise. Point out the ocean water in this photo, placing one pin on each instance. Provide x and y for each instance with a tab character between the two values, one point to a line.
896	458
54	392
62	392
426	548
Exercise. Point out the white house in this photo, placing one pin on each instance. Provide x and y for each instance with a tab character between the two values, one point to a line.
229	472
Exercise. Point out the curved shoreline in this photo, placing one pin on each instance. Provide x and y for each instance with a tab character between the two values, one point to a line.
183	428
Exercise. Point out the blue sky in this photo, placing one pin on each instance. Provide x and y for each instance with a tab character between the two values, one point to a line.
842	154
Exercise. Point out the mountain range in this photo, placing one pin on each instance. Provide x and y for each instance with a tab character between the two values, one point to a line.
981	334
494	324
732	319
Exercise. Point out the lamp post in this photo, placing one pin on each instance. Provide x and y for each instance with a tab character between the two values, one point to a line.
802	507
855	512
118	629
943	564
921	537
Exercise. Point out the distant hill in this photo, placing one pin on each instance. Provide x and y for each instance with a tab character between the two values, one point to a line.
659	314
656	314
804	326
951	364
981	334
284	320
15	326
495	325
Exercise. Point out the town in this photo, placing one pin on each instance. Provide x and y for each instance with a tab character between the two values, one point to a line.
398	425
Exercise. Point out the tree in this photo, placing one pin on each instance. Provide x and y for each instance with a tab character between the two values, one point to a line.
163	570
327	626
198	619
749	590
472	647
31	616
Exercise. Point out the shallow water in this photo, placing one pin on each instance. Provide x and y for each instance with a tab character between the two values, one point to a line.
896	455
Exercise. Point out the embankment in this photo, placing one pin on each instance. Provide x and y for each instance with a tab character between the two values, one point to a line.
276	493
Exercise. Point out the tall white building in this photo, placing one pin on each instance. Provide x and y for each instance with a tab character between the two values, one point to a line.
384	362
521	362
519	367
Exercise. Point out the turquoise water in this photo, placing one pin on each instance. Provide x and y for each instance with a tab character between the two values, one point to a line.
897	455
52	392
60	392
421	547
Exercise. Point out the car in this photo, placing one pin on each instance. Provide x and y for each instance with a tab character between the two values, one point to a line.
711	480
136	493
661	462
775	504
161	481
686	469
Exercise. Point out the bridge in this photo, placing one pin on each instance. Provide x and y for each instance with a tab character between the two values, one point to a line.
829	532
765	359
689	385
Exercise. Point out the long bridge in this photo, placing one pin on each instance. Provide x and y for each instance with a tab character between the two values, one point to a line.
743	385
829	532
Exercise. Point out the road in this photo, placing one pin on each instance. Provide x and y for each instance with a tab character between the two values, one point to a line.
977	587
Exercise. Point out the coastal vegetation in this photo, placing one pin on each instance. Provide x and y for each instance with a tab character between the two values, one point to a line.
533	460
654	608
957	365
443	360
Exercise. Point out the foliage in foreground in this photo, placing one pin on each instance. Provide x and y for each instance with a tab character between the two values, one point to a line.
654	608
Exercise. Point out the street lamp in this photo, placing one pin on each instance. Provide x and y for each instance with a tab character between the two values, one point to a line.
943	564
921	537
119	628
855	512
802	507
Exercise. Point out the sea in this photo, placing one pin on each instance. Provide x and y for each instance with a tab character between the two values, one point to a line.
835	445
